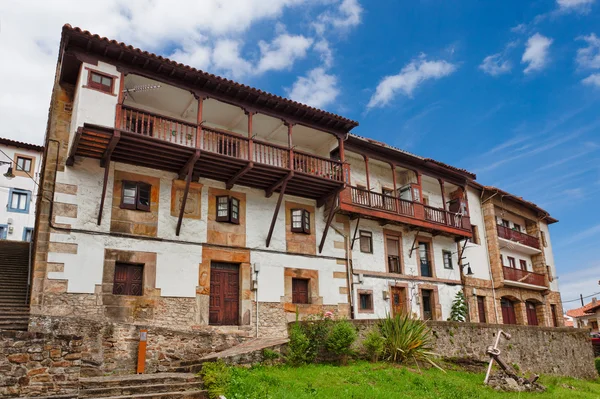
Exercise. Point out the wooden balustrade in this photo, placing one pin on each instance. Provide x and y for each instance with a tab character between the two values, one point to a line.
271	154
514	235
168	129
524	276
318	166
220	142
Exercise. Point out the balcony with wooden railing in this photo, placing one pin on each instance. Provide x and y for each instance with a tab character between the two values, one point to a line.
517	236
518	276
395	209
167	143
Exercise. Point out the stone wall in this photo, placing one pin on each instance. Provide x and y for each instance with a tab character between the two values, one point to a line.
540	350
113	347
33	364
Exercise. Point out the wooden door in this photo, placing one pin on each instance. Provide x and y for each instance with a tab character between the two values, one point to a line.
128	279
399	305
300	290
508	312
532	319
481	309
427	297
224	305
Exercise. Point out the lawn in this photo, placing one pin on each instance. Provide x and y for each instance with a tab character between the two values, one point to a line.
382	380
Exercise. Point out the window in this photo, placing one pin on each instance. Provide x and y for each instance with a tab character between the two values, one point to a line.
366	242
301	221
27	234
3	231
516	227
366	301
427	296
136	195
501	260
128	279
532	319
554	315
18	200
425	200
300	290
24	164
228	209
523	264
544	242
447	259
416	194
424	259
393	254
511	262
505	223
475	232
100	82
481	309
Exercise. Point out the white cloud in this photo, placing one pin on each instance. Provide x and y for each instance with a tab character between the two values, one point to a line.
347	15
592	80
322	46
409	78
226	57
317	89
495	65
574	5
282	52
536	53
589	57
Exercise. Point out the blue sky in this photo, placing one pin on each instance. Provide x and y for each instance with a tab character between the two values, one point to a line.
507	89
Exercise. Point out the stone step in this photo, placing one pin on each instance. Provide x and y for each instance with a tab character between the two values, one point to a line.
193	394
139	389
136	379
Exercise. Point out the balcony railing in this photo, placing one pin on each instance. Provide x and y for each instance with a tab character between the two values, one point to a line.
523	276
227	143
514	235
417	210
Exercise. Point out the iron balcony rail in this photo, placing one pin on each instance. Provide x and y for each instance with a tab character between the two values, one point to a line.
514	235
524	276
229	144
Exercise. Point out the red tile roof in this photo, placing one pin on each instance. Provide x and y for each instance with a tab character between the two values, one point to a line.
20	144
70	32
584	310
568	323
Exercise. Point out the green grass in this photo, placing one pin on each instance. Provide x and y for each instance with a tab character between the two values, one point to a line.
385	381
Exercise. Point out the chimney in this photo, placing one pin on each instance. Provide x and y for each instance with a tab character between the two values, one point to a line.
594	300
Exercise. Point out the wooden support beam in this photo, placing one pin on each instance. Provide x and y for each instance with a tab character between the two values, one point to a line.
355	233
341	149
238	175
74	145
396	199
189	165
104	184
323	200
269	191
274	220
114	140
188	181
412	248
368	179
332	211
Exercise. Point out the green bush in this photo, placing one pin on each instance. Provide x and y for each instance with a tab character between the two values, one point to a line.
270	355
216	377
459	308
373	345
340	340
299	347
406	339
598	365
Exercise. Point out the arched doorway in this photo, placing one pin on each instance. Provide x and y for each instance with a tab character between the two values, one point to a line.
534	317
508	311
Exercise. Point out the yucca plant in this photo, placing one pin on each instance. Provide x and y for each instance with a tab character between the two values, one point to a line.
406	338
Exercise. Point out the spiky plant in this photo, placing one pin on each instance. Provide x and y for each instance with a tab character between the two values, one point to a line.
459	308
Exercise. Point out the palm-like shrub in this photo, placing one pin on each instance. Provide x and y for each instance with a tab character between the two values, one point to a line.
406	338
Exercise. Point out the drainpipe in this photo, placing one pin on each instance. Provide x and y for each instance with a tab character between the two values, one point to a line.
256	270
348	271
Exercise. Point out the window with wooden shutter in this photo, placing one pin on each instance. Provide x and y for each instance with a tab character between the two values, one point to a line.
365	301
512	262
128	279
300	221
366	241
393	254
101	82
447	255
523	264
24	164
136	195
300	290
481	309
228	209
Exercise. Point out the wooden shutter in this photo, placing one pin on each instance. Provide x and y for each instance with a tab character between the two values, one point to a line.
297	220
393	253
481	309
299	290
143	197
305	221
128	194
222	209
234	210
532	319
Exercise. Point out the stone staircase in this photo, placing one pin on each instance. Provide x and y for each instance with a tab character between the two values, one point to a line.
146	386
14	264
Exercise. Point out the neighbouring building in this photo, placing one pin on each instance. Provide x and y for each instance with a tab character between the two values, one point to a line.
19	171
187	200
587	316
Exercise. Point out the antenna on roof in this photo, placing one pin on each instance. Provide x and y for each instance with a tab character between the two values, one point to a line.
135	89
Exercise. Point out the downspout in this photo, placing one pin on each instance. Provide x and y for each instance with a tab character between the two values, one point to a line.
256	272
349	273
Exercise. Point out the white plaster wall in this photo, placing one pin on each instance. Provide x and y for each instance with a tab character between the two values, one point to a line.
549	254
477	255
19	220
517	255
512	219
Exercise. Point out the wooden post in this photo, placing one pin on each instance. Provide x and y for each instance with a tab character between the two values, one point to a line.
250	141
366	158
290	144
395	188
199	134
341	149
444	200
120	100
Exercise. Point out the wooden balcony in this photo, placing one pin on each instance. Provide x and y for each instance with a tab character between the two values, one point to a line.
517	236
160	142
392	209
523	277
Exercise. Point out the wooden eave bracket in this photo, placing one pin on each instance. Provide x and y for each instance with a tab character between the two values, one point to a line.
412	248
74	146
189	169
189	165
111	147
321	201
240	173
281	183
355	233
332	212
276	212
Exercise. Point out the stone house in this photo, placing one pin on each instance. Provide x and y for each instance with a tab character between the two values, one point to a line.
587	316
185	200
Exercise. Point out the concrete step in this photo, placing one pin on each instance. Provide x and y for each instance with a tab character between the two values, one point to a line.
139	389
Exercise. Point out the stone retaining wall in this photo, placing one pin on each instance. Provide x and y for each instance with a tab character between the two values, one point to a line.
113	347
540	350
34	364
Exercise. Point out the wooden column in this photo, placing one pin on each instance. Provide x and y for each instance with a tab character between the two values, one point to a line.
341	149
199	134
395	187
366	158
120	99
441	181
290	144
250	141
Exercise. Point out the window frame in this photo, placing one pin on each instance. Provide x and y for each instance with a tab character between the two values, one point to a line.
481	311
365	234
294	293
99	86
523	264
396	258
24	158
447	255
370	308
231	203
20	192
128	281
137	205
543	238
512	262
305	224
25	231
475	232
429	257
